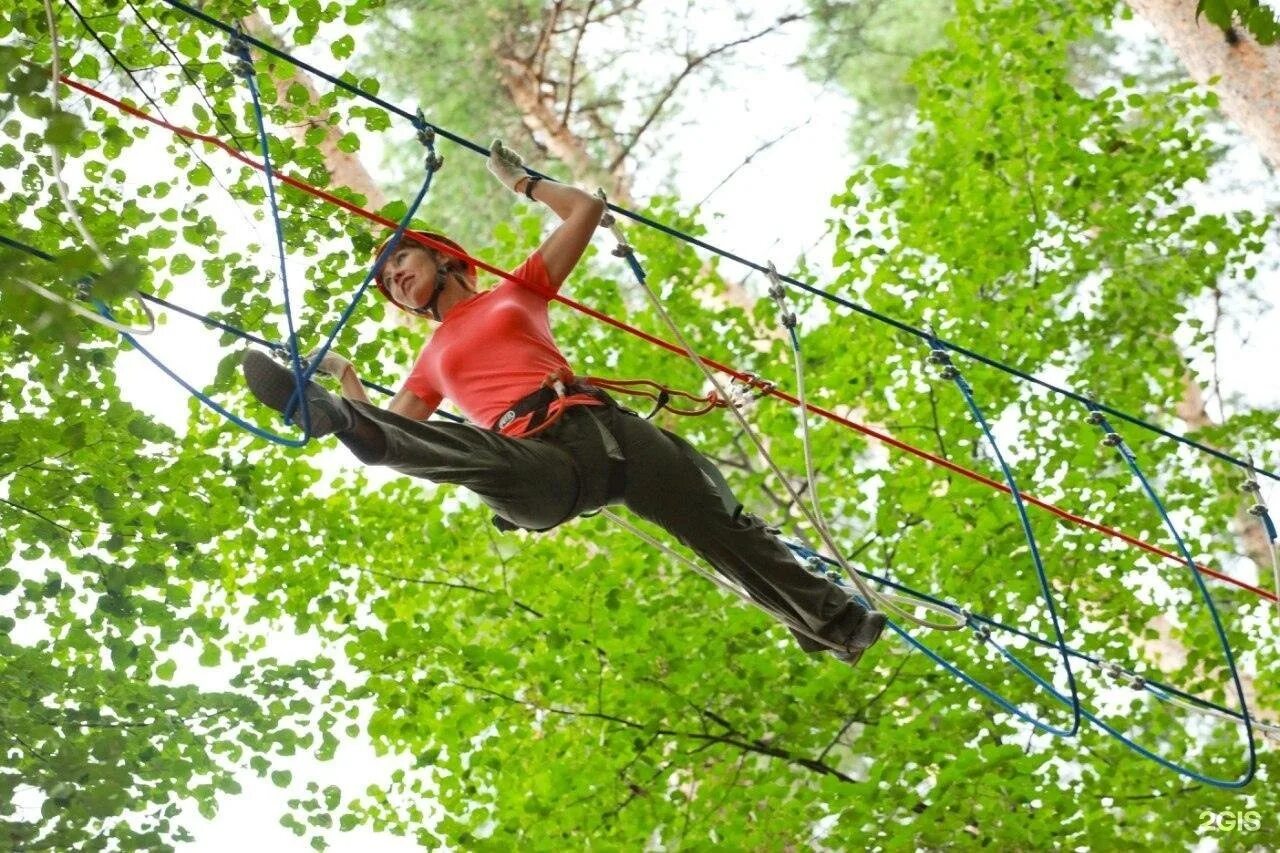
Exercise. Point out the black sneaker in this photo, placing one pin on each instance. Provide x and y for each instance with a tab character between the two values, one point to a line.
869	631
273	384
862	638
850	656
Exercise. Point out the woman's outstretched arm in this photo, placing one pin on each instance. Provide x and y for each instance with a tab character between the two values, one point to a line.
579	211
581	214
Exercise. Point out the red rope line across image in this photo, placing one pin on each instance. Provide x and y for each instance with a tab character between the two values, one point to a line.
749	379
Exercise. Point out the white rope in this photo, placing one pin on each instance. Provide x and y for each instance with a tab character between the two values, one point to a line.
888	603
94	315
802	412
65	195
722	582
1136	682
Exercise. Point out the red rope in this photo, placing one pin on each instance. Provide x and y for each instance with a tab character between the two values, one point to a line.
749	379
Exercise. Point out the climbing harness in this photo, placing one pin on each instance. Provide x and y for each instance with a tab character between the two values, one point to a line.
544	406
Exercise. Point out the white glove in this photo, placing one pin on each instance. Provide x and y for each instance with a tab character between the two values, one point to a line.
331	365
506	165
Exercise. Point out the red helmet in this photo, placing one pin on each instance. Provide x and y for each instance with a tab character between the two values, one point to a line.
468	266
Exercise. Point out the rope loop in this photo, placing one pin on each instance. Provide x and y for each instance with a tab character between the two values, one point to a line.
426	135
239	48
938	355
1113	439
786	316
749	384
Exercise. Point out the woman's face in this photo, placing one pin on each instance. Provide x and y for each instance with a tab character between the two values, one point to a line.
410	275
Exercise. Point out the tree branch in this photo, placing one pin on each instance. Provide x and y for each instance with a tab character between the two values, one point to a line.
860	714
692	63
38	515
450	585
573	63
756	746
749	158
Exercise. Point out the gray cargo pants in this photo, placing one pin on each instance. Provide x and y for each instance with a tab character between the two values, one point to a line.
600	455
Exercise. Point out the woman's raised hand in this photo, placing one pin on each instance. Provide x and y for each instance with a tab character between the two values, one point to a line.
506	165
331	365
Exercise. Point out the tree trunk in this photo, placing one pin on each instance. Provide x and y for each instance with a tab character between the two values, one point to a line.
1191	410
345	170
540	116
1248	71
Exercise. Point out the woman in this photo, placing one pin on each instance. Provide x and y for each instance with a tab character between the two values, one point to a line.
555	448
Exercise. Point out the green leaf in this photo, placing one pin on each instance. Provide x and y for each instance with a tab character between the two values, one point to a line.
63	129
343	47
1218	12
297	94
349	143
180	264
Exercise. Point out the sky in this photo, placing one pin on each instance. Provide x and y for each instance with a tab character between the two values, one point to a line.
797	176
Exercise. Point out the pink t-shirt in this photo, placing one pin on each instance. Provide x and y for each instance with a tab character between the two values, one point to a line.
494	349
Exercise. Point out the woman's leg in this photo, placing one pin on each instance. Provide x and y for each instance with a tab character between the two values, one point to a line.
530	482
533	483
669	483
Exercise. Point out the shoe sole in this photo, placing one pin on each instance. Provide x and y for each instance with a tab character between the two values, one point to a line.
273	385
869	632
849	658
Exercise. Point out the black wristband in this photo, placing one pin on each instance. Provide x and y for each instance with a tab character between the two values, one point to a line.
529	185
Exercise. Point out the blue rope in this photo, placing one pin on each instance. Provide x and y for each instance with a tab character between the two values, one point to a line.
303	373
1154	687
244	67
789	321
939	356
694	241
834	574
982	688
433	165
1113	438
299	376
195	392
1139	748
207	401
233	330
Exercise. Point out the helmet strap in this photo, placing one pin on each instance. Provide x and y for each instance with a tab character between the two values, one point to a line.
431	307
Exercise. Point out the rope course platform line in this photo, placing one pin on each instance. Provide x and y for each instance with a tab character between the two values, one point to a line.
746	378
